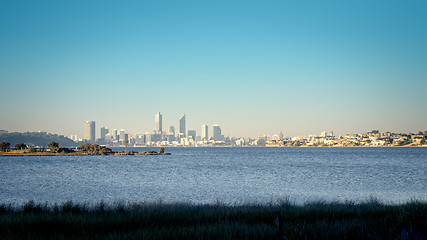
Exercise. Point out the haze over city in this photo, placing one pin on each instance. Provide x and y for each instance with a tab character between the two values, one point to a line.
253	67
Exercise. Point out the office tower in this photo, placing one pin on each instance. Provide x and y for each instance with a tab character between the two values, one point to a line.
281	136
158	119
217	133
205	134
104	131
122	134
192	134
115	134
172	130
182	126
90	131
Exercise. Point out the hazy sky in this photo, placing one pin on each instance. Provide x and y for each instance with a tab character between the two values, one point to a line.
253	67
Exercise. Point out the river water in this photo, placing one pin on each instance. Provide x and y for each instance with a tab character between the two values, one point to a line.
230	175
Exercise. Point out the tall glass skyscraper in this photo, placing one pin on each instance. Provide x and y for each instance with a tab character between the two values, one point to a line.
104	131
182	126
159	122
217	133
90	131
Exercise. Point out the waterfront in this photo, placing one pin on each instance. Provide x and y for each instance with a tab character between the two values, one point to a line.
230	175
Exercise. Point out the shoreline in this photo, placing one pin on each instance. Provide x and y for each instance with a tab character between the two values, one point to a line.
132	153
9	154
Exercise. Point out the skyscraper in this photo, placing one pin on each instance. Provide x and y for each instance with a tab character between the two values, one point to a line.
158	119
90	131
115	134
182	126
104	131
205	133
217	133
122	135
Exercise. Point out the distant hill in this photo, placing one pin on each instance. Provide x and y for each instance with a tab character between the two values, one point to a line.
41	139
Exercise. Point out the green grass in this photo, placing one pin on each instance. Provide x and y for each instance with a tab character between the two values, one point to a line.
316	220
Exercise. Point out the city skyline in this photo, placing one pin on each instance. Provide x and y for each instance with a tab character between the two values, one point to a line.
216	134
253	67
373	138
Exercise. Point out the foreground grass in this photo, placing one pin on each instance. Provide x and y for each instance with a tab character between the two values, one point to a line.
318	220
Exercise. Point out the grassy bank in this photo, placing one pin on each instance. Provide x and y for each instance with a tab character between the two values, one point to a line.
370	220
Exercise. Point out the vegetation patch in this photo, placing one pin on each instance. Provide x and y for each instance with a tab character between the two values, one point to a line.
54	150
317	220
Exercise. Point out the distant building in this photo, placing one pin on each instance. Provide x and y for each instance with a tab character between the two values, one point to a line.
115	134
240	142
217	133
90	131
122	135
147	137
74	138
170	138
156	137
158	120
172	130
205	132
104	131
182	126
192	134
139	139
263	137
108	137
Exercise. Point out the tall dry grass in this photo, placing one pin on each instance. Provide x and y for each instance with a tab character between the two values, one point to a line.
315	220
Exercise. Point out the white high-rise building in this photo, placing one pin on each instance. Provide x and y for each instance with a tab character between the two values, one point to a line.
205	133
90	131
158	119
122	135
74	138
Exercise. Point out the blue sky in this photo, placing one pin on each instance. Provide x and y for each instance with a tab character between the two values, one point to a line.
253	67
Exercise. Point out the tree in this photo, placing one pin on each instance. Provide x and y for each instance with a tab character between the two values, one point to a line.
32	149
94	149
4	146
63	150
20	146
126	143
162	150
53	146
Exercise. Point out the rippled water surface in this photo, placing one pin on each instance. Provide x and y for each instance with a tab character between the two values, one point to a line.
231	175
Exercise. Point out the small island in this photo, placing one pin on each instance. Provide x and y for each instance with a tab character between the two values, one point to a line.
53	149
